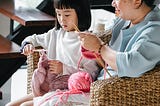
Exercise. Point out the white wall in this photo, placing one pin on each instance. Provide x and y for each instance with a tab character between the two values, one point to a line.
6	93
4	25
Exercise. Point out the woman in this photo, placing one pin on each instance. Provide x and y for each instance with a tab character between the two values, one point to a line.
135	44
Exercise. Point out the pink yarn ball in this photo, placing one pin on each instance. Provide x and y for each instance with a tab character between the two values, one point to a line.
80	81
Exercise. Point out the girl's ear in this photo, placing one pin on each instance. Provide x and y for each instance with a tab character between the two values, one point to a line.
137	3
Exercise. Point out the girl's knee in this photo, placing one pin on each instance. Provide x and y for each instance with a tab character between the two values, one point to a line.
8	104
28	103
11	104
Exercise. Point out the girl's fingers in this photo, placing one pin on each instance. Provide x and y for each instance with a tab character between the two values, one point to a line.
55	66
52	64
28	49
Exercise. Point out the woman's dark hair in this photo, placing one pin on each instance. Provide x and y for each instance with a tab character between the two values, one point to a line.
82	8
149	3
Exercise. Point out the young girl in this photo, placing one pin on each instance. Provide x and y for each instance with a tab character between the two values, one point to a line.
62	43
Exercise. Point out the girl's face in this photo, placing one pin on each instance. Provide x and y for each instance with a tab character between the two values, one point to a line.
123	8
67	18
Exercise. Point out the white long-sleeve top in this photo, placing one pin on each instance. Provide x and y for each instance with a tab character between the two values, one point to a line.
65	47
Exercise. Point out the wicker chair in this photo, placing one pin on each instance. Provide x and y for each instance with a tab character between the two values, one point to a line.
32	61
142	91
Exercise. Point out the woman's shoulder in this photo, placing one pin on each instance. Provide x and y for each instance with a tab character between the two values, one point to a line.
154	15
152	19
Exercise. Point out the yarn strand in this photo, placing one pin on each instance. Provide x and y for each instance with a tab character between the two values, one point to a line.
99	60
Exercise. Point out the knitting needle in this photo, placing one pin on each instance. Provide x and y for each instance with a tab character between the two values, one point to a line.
99	60
39	50
76	28
101	63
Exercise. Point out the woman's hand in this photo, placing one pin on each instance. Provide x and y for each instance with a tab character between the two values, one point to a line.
55	66
28	49
90	41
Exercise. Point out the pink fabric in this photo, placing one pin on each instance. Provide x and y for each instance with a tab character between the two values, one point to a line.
39	82
58	82
44	81
78	83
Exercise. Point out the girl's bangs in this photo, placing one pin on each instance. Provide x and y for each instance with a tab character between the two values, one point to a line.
62	4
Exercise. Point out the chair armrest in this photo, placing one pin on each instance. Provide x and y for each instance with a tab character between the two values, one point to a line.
144	90
32	61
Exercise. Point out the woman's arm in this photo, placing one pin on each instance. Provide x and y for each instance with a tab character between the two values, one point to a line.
92	43
109	56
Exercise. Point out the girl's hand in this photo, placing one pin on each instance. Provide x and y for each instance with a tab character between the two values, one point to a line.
28	49
55	66
90	41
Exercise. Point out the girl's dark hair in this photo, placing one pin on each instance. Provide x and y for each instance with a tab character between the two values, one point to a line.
82	8
149	3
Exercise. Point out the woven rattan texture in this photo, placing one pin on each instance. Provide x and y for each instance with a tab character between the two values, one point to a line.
32	61
105	36
142	91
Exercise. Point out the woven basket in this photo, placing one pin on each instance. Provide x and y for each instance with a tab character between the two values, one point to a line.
142	91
